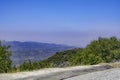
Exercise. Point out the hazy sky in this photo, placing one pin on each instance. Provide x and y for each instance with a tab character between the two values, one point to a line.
71	22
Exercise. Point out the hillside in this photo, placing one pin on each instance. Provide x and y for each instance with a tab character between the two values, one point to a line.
33	51
103	50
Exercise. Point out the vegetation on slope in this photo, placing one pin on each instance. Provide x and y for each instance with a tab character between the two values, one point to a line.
60	59
98	51
103	50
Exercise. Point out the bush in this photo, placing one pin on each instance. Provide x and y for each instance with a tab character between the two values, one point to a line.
5	62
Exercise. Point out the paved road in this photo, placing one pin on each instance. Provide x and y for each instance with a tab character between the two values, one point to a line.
111	74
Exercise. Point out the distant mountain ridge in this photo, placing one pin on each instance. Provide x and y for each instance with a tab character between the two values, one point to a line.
34	51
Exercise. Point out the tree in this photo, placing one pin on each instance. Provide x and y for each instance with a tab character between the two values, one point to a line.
5	62
26	66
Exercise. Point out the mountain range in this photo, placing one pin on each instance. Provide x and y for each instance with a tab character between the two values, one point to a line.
34	51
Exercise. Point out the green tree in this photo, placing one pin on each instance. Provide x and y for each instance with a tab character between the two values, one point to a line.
26	66
5	62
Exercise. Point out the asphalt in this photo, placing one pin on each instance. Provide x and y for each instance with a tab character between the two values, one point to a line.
111	74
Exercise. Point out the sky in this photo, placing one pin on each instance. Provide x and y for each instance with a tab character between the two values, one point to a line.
70	22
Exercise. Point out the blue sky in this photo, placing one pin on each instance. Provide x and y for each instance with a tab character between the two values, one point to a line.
71	22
